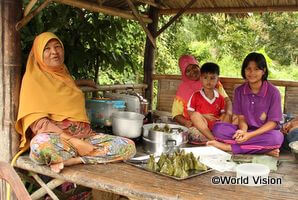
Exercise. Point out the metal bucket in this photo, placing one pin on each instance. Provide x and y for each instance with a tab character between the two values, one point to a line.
127	124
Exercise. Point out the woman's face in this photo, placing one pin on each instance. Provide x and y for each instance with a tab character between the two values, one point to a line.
252	73
53	53
192	72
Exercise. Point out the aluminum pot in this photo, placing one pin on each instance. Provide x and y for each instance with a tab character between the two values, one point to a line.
178	133
158	141
158	148
127	124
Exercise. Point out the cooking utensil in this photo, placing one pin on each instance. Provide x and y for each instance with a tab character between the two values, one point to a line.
294	149
150	146
127	124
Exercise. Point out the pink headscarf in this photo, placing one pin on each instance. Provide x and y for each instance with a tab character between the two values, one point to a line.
187	87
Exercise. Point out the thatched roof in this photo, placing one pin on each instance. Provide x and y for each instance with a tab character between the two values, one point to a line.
173	6
129	8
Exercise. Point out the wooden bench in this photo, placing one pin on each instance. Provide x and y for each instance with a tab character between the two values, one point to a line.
168	85
134	183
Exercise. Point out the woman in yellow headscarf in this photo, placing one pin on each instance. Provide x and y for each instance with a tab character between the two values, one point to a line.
52	118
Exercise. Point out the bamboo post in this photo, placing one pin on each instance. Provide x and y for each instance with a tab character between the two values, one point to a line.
149	55
10	71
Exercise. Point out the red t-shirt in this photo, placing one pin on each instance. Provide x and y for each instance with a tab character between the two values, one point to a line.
200	103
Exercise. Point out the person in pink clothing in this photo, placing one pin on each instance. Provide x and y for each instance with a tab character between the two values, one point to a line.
190	83
257	103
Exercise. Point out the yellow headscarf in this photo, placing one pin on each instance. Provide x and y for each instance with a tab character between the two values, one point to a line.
47	91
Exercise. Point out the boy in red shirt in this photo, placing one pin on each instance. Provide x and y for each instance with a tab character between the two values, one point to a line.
206	106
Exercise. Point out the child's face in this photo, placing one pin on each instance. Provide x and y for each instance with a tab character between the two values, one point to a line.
252	73
209	80
192	72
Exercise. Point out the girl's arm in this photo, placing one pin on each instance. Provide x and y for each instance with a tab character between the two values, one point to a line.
241	136
242	123
266	127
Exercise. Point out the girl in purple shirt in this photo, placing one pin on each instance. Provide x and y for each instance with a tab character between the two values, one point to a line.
257	104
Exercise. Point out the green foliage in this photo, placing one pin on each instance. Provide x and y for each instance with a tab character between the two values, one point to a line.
110	50
95	44
227	39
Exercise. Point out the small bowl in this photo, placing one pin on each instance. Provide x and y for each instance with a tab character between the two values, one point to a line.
251	174
294	149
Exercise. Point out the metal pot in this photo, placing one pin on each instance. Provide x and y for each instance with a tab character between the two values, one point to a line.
157	147
127	124
158	141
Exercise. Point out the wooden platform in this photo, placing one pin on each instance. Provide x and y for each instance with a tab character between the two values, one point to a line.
123	179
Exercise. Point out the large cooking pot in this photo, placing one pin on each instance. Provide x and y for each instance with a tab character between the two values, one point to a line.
157	148
127	124
162	140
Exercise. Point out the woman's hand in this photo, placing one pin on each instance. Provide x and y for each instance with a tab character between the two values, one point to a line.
82	147
241	136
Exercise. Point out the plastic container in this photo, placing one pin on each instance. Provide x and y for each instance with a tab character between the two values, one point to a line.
252	174
100	111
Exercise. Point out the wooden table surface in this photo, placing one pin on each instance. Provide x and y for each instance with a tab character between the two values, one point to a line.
121	178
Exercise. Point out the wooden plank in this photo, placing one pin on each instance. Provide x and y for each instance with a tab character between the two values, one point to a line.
230	80
123	179
291	96
8	174
44	186
93	7
289	8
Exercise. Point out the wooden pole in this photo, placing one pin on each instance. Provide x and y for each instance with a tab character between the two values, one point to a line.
29	16
136	14
173	19
10	72
290	8
103	9
149	55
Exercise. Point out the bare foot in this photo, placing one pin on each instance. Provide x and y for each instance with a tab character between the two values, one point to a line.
57	167
274	153
72	161
220	145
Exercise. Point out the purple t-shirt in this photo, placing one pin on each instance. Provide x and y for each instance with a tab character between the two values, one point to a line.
258	108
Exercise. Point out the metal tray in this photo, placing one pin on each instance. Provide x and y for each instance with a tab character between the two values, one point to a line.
142	165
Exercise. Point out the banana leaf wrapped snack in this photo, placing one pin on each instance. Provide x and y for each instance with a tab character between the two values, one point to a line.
178	164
